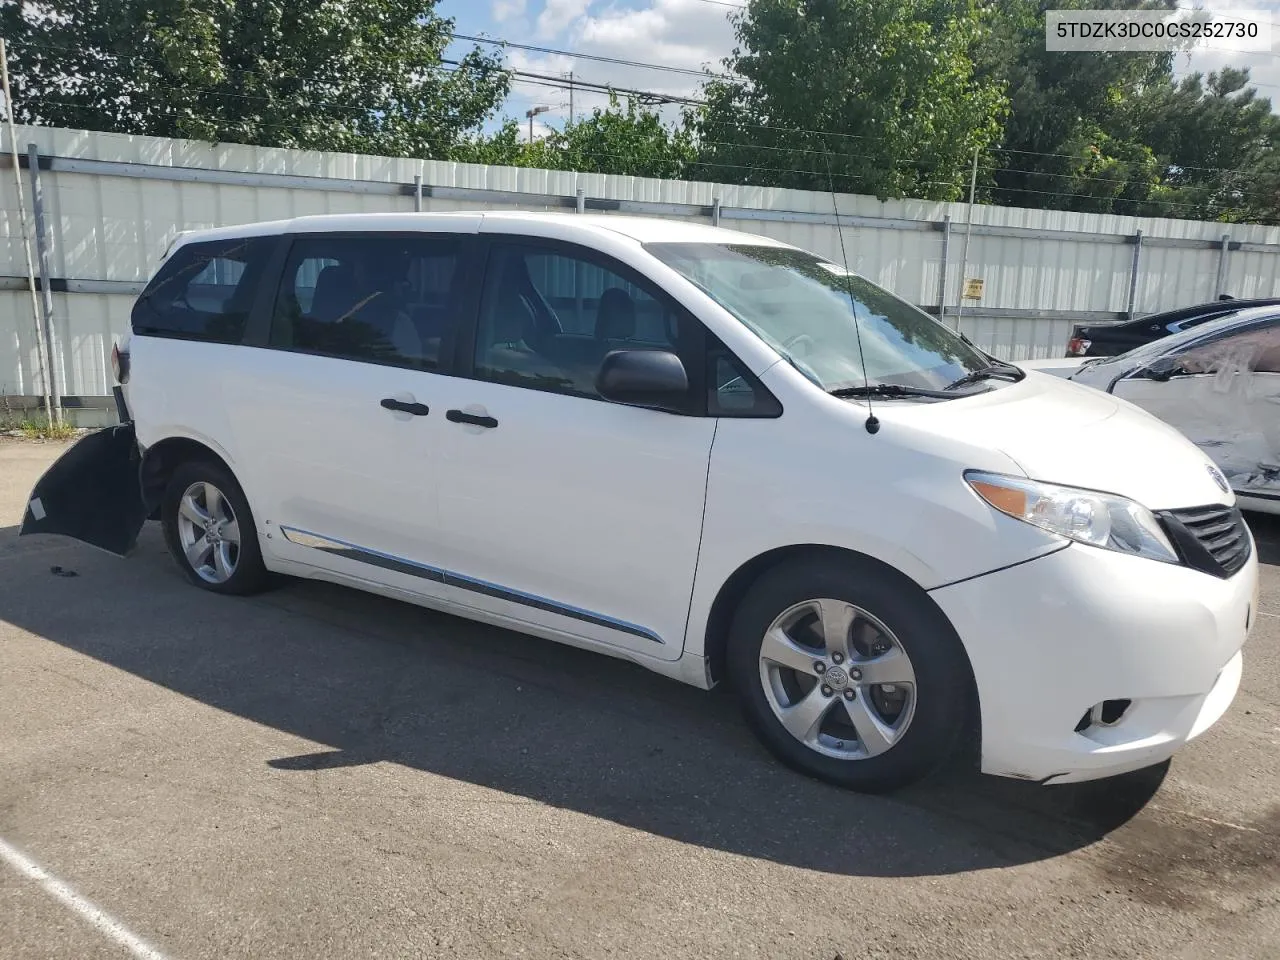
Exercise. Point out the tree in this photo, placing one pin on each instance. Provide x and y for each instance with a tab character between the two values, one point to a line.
1218	139
1115	133
320	74
1063	144
884	91
630	140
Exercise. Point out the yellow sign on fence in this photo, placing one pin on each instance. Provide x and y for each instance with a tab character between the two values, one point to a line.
973	288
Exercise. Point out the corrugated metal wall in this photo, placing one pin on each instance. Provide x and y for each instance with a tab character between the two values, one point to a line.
1043	270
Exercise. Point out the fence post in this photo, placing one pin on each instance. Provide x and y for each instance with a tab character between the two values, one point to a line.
46	286
942	274
582	201
1222	266
41	355
417	193
1133	272
715	211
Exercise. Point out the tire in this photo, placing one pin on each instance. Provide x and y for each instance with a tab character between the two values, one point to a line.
881	616
226	566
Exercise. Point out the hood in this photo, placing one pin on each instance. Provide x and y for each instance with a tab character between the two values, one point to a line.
1060	432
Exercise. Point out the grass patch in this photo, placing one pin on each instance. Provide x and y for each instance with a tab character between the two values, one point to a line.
42	430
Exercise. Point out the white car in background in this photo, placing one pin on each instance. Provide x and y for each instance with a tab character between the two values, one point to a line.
1218	383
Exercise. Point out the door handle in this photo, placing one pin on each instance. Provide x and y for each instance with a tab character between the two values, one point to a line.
457	416
417	409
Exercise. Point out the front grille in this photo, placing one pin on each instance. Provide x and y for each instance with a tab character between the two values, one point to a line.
1213	538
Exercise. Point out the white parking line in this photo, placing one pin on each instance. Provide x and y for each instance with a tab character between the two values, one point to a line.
97	918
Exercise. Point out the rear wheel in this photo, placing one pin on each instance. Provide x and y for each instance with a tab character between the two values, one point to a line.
849	674
210	530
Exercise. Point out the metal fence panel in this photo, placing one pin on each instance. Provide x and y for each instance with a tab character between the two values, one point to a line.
115	202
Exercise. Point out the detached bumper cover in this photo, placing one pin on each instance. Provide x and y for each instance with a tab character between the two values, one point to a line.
92	493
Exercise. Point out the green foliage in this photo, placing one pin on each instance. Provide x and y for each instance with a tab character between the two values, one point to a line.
1114	133
319	74
630	140
634	142
884	91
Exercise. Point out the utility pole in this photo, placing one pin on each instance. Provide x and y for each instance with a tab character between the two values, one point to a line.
43	359
968	231
570	98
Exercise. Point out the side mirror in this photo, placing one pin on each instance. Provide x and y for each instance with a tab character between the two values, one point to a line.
1160	369
644	378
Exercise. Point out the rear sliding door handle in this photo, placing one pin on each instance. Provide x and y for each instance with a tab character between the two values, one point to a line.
457	416
417	409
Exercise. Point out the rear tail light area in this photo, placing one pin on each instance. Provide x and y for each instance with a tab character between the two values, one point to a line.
120	364
1078	346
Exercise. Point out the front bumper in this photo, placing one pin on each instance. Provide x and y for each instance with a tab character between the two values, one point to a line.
1050	638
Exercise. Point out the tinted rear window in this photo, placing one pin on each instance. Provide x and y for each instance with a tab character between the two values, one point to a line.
204	291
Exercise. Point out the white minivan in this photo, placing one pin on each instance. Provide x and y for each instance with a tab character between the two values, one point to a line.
709	453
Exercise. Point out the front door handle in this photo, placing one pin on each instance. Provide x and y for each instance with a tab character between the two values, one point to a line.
457	416
417	409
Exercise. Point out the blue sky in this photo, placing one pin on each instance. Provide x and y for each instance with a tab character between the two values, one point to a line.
689	34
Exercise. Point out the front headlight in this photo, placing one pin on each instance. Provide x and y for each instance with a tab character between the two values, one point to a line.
1098	519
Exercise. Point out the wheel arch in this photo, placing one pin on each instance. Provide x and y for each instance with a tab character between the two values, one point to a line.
731	592
163	457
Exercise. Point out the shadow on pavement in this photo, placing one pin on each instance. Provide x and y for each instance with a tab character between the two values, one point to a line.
377	680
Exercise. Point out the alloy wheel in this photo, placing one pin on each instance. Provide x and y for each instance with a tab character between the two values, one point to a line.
209	532
837	679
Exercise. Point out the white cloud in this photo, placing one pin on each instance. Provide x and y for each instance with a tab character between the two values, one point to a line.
504	10
558	14
689	34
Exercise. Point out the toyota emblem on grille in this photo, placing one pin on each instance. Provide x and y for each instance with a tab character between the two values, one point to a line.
1218	478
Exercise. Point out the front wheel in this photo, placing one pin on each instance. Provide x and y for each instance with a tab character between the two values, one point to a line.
849	674
210	530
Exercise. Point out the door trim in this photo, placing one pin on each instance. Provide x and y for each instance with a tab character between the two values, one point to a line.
351	551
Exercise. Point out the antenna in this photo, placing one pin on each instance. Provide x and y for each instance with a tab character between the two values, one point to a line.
872	424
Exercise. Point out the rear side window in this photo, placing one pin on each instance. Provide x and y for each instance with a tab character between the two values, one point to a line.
380	299
204	291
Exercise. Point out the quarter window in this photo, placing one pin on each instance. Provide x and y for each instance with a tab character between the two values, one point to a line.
732	391
204	291
547	320
381	299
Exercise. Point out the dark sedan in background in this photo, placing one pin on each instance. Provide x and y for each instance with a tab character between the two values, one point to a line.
1111	340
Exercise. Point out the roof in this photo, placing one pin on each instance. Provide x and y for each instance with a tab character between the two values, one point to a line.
564	225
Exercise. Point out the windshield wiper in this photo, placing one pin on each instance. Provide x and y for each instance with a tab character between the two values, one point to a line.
888	390
994	371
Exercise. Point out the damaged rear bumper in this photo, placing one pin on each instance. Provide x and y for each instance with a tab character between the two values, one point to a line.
92	493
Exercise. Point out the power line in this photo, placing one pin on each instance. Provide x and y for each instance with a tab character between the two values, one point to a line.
688	71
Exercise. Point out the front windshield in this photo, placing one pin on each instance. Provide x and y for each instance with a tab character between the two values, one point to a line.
801	306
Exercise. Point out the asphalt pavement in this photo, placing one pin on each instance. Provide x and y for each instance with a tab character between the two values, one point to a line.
316	772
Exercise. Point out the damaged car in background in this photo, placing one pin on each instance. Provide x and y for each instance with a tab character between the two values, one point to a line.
1217	383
